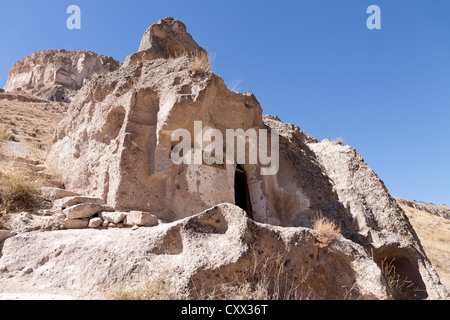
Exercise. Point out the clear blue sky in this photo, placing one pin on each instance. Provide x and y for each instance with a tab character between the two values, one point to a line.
313	63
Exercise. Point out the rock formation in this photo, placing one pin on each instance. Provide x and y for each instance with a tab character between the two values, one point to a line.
166	39
437	210
217	246
57	75
114	147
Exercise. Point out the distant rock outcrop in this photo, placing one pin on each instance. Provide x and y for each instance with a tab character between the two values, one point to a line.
434	209
57	75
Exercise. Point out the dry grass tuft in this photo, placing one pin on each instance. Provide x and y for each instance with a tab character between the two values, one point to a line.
266	279
325	231
201	63
234	85
34	150
401	288
17	191
263	279
154	288
339	141
4	135
54	171
27	121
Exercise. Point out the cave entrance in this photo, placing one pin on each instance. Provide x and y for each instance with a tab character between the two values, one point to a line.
402	275
241	193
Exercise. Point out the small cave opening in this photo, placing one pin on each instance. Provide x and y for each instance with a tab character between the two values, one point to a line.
241	191
402	275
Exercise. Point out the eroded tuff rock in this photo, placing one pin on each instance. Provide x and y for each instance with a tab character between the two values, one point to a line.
115	144
57	74
166	39
218	246
379	224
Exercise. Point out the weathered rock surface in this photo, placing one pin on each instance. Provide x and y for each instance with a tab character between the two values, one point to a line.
57	75
166	39
83	210
203	251
379	224
434	209
116	140
23	222
52	194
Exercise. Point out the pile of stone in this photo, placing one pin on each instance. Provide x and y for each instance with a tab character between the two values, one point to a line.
88	212
75	210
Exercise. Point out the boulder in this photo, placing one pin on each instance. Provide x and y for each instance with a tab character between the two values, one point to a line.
83	210
138	218
113	217
74	200
76	223
95	222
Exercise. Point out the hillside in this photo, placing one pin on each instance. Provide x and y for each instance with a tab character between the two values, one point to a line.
431	208
434	234
28	122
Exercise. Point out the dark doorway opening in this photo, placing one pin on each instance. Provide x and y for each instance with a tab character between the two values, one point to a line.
241	194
